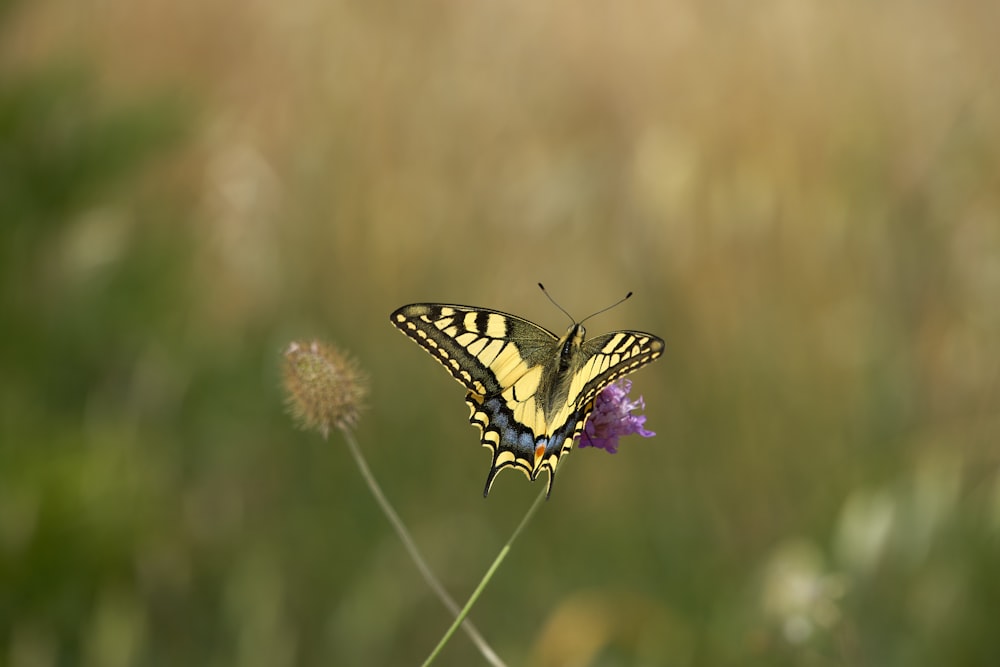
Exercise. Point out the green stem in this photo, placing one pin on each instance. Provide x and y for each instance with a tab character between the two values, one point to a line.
411	548
486	578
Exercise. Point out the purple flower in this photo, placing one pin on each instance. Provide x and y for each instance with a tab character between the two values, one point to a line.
612	418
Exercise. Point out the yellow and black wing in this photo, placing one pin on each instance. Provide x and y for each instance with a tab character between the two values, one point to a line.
529	391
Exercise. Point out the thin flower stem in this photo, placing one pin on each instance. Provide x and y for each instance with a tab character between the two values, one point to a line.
486	579
411	548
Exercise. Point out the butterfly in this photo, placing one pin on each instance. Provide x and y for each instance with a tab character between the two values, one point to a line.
530	392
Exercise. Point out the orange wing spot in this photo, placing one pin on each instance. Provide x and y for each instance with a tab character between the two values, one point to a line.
539	452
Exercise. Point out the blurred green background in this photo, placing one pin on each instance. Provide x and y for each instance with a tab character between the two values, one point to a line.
804	196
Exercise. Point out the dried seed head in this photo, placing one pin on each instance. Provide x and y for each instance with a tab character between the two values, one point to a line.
325	387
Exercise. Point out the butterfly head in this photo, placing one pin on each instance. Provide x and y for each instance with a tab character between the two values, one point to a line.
571	343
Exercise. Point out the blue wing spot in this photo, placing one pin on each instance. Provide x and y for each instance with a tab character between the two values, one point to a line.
498	416
525	442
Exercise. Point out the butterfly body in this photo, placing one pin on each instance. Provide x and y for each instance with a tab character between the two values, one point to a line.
529	391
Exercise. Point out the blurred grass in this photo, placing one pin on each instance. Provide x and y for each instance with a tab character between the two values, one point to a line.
805	199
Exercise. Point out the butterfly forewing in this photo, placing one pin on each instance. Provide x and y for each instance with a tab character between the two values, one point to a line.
611	356
485	350
528	401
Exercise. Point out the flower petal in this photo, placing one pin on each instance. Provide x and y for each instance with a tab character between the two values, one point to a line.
612	418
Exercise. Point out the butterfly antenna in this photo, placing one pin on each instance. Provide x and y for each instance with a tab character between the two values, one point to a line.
556	304
607	308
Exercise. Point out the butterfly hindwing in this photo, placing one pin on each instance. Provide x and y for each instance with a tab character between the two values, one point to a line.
529	392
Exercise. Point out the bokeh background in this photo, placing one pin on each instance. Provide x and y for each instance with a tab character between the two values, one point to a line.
804	196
